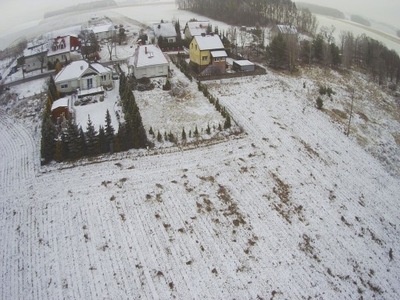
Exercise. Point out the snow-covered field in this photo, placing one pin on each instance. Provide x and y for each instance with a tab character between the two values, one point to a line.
292	209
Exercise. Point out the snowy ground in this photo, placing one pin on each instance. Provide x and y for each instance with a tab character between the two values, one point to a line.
182	107
293	209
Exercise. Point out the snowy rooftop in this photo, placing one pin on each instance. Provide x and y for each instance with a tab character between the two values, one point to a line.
148	55
244	62
102	28
63	102
35	49
197	27
287	29
60	45
72	71
220	53
209	42
100	68
164	30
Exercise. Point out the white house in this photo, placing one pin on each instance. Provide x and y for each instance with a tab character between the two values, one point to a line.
63	49
166	31
195	28
83	78
285	30
103	31
148	61
35	56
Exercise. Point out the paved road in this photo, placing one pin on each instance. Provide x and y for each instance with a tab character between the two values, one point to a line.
27	79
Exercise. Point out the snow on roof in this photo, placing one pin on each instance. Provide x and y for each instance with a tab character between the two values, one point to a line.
102	28
35	50
61	44
209	42
197	27
63	102
164	30
287	29
72	30
148	55
220	53
100	68
244	62
72	71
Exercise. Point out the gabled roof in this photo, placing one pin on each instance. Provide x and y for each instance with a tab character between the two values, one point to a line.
148	55
59	45
287	29
197	27
63	102
209	42
33	50
102	28
219	53
77	68
164	30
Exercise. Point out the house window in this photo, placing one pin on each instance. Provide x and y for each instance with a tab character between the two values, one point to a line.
104	77
64	85
89	83
204	58
170	40
196	47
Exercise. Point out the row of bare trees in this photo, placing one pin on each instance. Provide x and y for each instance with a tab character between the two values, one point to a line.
252	12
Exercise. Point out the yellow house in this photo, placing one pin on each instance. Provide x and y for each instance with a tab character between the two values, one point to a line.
207	54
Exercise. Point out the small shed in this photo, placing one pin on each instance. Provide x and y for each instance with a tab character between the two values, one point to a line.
61	109
243	66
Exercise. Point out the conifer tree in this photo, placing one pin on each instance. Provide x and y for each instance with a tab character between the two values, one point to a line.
102	141
82	140
227	123
151	131
208	130
48	140
59	151
196	132
73	141
109	132
159	137
183	134
91	138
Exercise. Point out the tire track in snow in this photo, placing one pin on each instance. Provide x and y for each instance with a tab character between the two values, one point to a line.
18	150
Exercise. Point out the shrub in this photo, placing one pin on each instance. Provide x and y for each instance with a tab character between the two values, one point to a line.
320	103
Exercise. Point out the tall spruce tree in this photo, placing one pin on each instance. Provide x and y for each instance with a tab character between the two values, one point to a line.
109	132
48	140
91	138
73	141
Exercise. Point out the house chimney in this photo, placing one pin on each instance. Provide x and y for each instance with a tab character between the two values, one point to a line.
145	50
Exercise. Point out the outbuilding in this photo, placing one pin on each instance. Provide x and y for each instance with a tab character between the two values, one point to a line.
243	66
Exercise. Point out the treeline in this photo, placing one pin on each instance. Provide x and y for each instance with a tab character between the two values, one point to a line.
68	142
81	7
322	10
253	12
353	51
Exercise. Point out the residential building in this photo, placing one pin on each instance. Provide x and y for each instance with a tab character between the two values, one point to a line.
207	54
285	30
195	28
148	61
35	56
83	78
63	49
166	31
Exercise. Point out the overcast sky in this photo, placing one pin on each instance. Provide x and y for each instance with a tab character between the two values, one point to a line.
14	12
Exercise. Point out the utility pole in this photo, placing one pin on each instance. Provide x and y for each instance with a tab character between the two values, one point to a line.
351	112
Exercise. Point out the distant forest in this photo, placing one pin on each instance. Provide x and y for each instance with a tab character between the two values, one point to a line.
253	12
80	7
360	20
322	10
